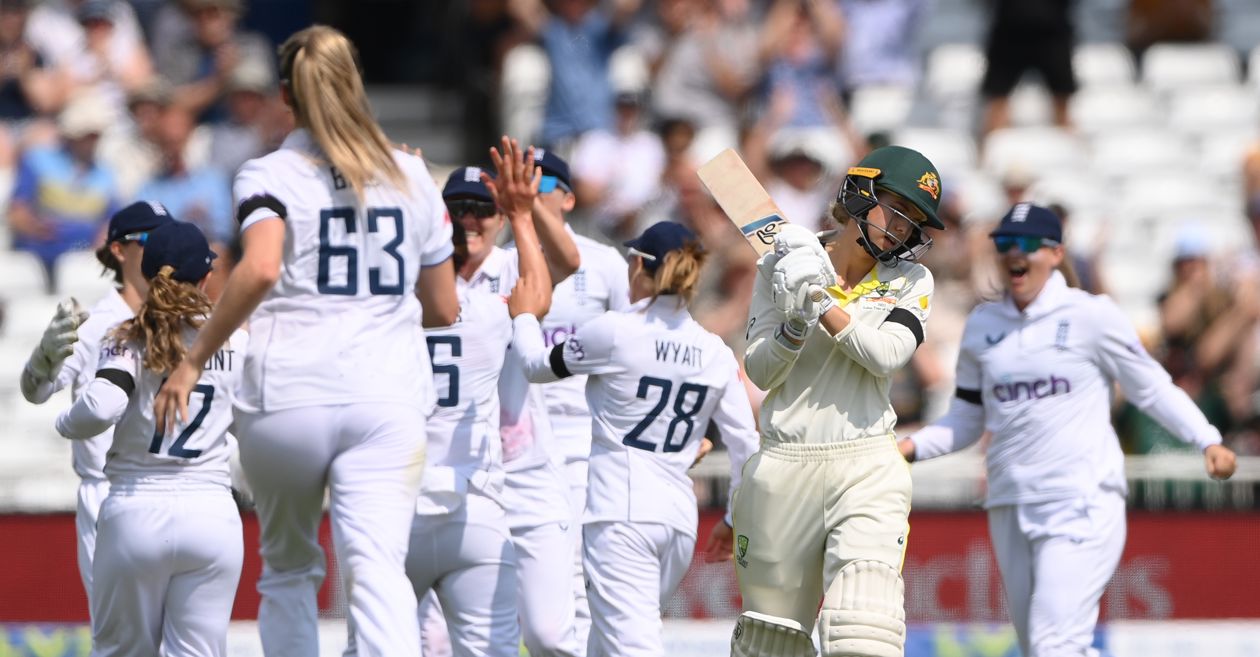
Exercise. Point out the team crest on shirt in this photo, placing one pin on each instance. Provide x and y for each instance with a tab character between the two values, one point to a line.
1061	335
929	183
741	550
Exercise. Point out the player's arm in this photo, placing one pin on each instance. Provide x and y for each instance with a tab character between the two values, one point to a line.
962	425
736	429
104	399
57	358
589	351
772	348
884	349
1120	354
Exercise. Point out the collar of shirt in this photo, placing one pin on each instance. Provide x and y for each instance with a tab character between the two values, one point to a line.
491	267
1052	296
117	304
300	140
870	282
666	305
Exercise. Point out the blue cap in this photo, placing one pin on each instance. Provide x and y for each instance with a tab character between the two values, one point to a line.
96	10
1028	220
659	240
466	181
553	165
139	217
180	245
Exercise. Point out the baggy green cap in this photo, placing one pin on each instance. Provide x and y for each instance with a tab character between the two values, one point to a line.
907	173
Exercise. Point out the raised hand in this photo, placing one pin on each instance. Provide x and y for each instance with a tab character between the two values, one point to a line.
516	186
1219	461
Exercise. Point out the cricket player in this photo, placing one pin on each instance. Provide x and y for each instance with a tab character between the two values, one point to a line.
341	233
1036	370
822	513
169	547
535	491
68	351
656	382
599	285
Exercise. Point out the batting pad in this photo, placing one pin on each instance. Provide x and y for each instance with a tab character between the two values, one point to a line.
762	635
863	613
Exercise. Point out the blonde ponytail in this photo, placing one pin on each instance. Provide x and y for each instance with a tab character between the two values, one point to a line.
679	273
169	308
319	67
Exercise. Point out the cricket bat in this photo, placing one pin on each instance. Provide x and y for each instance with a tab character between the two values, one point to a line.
746	203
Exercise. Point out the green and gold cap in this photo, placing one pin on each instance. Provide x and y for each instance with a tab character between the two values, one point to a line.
907	173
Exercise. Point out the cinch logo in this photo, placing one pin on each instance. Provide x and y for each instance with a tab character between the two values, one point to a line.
1027	390
557	334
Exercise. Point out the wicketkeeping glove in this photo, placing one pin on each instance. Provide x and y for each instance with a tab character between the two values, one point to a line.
59	339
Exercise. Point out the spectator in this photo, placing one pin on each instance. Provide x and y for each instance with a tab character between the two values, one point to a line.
201	67
799	47
131	150
1028	35
63	196
617	173
96	44
1152	21
29	87
879	40
240	137
703	58
197	194
579	38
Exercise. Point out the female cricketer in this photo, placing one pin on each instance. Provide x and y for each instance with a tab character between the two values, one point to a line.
341	233
169	548
656	383
822	514
1036	370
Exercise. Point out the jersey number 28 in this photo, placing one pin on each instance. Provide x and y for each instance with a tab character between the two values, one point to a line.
682	414
327	251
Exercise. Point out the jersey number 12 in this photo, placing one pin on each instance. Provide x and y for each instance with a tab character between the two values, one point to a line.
177	448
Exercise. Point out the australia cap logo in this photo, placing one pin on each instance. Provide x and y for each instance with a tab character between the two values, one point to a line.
929	183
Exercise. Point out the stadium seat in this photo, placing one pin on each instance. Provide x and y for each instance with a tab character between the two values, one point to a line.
1077	190
1097	109
1033	149
26	317
980	196
1171	198
953	69
1137	152
880	108
21	275
950	150
523	91
1253	67
79	276
1168	67
1221	153
1103	64
1207	109
1030	105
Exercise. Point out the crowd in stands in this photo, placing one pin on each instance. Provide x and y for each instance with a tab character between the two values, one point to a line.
99	107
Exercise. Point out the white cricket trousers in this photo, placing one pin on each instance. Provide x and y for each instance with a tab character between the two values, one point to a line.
467	557
634	568
168	559
91	495
577	430
370	457
1056	558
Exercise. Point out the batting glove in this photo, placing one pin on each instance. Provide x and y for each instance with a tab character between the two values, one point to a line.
59	339
794	273
794	238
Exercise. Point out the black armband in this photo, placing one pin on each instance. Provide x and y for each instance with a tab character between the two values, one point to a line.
907	319
968	395
123	380
557	362
252	203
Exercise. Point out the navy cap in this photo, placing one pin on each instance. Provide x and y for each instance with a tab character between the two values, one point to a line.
1028	220
659	240
180	245
139	217
466	181
101	10
553	165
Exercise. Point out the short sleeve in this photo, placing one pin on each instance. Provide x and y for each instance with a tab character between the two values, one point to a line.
590	349
121	356
255	196
618	283
434	220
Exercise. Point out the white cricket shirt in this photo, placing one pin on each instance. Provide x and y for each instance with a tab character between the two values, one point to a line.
1043	379
342	325
657	384
600	284
836	388
197	449
463	431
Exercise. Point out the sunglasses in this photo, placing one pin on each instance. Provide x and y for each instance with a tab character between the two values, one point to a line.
1025	243
549	184
138	238
478	209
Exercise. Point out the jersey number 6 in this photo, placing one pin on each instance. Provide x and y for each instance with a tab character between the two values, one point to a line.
681	415
327	252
